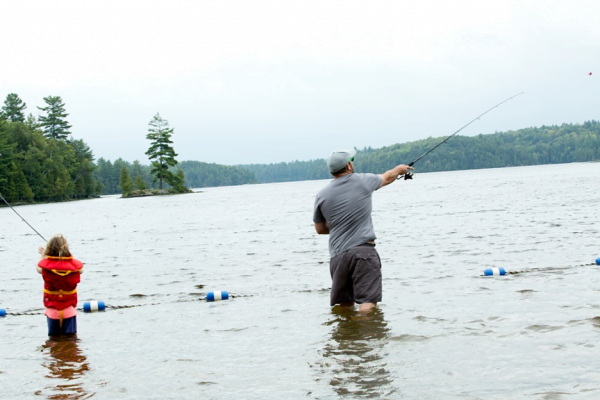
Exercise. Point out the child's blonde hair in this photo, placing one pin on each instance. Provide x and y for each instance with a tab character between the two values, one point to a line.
57	247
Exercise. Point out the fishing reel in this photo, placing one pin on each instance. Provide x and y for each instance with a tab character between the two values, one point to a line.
408	175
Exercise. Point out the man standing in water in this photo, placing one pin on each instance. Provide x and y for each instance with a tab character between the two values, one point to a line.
343	211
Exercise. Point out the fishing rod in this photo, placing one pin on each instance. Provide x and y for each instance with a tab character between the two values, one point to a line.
409	175
11	207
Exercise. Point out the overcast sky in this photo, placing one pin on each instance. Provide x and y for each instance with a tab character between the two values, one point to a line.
269	81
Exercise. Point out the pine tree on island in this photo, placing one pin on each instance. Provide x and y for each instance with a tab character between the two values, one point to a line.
13	108
139	182
54	124
125	182
162	156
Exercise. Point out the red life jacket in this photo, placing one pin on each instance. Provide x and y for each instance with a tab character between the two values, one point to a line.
61	276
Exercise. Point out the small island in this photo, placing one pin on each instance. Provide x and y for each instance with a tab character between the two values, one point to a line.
162	157
150	192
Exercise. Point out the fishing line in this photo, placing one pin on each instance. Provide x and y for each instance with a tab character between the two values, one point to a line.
409	174
11	207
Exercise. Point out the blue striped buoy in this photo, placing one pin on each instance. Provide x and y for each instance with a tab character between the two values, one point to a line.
494	272
93	306
214	296
2	312
598	261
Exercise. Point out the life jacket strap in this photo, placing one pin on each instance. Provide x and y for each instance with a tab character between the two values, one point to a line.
61	292
61	273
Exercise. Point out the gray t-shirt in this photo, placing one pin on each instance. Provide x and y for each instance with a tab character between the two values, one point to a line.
345	204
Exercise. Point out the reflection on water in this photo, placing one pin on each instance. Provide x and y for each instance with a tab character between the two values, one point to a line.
355	356
67	366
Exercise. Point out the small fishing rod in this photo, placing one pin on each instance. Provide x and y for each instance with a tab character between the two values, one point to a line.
11	207
409	175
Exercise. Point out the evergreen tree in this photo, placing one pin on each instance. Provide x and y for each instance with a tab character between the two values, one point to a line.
139	182
98	188
143	171
125	182
18	188
115	174
13	108
58	184
82	169
160	153
31	122
6	156
54	123
178	182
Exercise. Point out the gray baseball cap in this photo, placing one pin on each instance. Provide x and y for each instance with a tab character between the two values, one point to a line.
338	159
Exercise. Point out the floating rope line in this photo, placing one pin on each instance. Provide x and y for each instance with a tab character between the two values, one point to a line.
95	306
23	313
502	271
118	307
128	306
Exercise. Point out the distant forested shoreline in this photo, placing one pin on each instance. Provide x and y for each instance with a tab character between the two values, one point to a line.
41	162
197	174
530	146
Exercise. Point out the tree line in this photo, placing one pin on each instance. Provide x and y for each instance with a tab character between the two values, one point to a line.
530	146
289	171
200	174
41	161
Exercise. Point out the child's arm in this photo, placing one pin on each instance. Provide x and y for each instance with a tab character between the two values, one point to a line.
41	251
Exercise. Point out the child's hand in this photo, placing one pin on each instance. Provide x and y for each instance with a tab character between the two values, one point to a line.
41	250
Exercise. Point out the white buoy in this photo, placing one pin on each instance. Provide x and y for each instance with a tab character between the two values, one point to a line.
93	306
215	296
494	272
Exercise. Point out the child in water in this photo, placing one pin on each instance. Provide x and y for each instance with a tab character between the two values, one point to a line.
61	273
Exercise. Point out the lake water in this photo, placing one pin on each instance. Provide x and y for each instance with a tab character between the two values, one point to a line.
442	331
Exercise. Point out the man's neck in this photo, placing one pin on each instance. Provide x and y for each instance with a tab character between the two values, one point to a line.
343	174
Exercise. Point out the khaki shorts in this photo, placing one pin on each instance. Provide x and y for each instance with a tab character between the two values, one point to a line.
356	276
